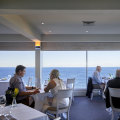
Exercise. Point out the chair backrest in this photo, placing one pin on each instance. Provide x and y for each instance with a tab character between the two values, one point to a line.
114	92
70	83
90	79
62	94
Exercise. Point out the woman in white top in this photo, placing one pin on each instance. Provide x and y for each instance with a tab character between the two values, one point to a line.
54	85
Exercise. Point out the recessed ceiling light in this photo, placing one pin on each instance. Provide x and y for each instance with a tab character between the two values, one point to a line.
42	23
50	31
86	31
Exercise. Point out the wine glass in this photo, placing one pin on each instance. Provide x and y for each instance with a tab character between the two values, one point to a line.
1	110
2	107
30	81
9	76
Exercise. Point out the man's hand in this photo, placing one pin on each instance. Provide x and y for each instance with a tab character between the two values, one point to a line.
36	91
30	88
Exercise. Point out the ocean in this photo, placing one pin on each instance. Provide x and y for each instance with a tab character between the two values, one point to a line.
79	73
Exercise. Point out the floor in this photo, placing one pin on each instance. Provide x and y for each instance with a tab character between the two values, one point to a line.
84	109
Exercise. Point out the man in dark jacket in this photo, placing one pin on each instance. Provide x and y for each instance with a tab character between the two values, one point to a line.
114	83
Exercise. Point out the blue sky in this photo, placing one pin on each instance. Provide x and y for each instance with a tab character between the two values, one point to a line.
61	58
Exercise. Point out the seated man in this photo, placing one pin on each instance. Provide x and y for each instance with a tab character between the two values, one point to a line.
114	83
97	79
24	93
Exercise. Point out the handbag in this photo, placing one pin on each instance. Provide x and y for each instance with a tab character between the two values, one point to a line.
9	95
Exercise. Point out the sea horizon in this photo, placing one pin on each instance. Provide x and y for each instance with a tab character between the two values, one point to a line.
79	73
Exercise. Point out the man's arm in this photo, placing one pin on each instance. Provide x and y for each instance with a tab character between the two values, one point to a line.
25	93
22	90
30	88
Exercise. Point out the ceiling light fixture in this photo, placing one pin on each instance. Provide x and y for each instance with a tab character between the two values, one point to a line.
42	23
50	31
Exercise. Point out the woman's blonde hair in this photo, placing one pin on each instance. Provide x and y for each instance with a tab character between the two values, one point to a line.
54	74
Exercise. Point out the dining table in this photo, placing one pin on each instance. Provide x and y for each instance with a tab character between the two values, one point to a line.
23	112
40	99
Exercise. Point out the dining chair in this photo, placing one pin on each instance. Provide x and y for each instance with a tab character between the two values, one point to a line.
62	94
96	88
57	118
92	88
114	92
70	84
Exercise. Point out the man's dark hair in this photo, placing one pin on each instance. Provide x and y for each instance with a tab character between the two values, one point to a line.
19	68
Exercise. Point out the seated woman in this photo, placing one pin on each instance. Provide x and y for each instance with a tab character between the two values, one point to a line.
54	85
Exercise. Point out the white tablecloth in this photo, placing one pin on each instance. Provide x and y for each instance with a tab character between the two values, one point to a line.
40	99
23	112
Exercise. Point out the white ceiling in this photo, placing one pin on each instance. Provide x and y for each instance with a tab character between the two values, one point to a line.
21	22
71	22
6	30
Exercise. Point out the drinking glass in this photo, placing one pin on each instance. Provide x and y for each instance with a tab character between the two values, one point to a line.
9	76
2	107
30	81
14	103
46	82
1	110
6	110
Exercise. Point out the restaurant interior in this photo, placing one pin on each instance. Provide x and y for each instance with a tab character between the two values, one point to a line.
60	30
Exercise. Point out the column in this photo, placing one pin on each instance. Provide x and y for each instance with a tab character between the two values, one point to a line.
38	64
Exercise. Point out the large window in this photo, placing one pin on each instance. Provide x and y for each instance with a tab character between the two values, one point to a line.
71	64
10	59
108	60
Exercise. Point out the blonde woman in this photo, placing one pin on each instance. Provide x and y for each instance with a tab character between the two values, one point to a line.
53	86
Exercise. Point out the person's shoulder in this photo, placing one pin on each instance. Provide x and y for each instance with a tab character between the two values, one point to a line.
95	72
111	82
55	79
14	79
